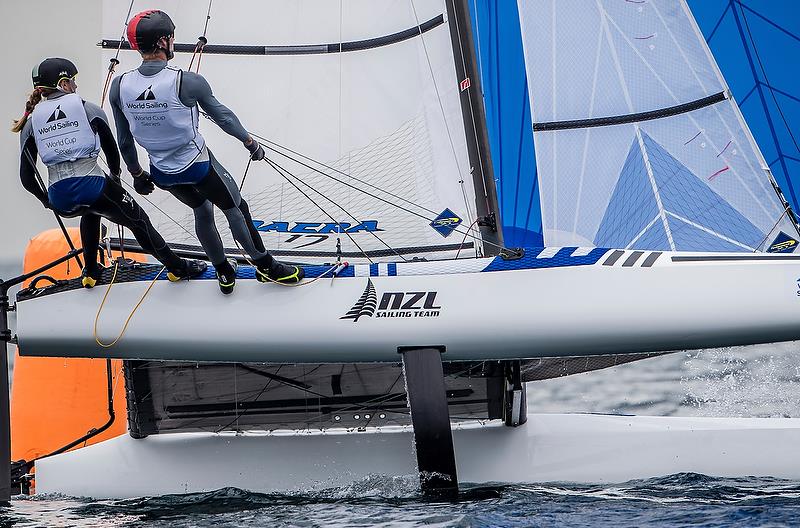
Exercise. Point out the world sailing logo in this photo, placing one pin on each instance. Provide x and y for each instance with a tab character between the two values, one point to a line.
394	304
58	123
146	101
58	114
147	94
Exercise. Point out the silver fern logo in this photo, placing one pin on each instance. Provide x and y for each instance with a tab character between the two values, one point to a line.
365	305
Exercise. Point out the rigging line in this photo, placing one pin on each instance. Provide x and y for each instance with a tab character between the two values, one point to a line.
786	211
463	240
348	213
201	41
312	160
113	62
244	176
499	246
279	170
766	79
444	114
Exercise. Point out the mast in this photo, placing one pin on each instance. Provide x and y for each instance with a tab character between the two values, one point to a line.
488	209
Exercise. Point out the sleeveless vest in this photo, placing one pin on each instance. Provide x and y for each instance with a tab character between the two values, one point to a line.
159	121
62	131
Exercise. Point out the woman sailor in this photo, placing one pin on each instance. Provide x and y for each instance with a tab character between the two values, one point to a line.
68	133
158	107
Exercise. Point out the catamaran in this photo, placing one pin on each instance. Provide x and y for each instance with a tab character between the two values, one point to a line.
408	345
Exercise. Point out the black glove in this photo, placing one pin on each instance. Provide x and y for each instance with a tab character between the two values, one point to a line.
143	184
115	177
46	203
256	151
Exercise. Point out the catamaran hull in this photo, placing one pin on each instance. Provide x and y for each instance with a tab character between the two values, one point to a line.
548	448
559	302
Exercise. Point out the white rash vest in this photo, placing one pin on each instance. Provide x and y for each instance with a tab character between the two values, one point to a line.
62	131
159	122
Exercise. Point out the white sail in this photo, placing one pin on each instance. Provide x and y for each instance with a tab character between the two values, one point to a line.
385	120
638	142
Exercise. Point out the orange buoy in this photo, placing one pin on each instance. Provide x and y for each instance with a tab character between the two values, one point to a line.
57	400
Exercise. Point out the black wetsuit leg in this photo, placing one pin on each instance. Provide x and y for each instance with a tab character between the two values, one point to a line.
220	188
90	239
204	225
119	207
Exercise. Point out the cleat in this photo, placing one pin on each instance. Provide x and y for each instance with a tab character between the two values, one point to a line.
280	272
89	278
191	269
226	276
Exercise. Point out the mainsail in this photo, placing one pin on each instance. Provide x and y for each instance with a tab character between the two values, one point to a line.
639	143
361	104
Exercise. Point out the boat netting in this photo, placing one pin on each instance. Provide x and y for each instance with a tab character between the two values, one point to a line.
166	397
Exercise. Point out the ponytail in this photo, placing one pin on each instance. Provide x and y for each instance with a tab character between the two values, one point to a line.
33	100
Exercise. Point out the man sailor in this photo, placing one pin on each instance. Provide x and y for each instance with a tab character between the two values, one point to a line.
158	107
68	133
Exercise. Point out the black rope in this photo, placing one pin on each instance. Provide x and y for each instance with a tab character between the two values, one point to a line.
265	140
499	246
348	213
279	170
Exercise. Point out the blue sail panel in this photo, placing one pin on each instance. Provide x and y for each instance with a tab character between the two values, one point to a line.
756	44
632	206
683	194
505	91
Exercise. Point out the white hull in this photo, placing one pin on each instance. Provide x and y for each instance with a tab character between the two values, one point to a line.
550	447
556	306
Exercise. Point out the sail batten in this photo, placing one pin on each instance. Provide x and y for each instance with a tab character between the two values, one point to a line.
297	49
631	118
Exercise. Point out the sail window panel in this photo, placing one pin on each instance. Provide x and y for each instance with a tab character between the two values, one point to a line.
702	165
692	238
578	172
382	119
610	198
607	58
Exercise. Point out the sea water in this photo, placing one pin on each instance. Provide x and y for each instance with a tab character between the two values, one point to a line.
759	381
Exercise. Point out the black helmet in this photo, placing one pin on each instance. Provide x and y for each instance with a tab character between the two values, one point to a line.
146	28
50	72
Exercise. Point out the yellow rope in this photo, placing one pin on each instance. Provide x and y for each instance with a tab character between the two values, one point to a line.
130	316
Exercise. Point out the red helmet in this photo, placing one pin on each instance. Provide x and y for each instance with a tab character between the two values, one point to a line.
147	28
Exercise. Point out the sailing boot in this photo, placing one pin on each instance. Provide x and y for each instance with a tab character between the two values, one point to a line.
191	269
226	275
89	277
280	272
